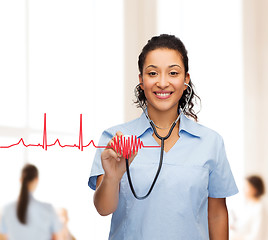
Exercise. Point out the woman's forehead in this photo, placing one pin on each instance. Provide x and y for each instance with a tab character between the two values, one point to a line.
163	57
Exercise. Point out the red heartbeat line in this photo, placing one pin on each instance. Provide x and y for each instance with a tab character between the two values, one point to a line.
122	145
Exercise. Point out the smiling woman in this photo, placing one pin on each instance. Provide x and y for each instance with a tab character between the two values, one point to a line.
162	81
188	198
161	49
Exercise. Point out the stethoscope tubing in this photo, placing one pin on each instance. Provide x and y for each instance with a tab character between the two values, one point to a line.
162	148
159	165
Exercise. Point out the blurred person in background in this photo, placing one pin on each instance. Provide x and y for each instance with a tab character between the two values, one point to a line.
249	223
27	218
65	232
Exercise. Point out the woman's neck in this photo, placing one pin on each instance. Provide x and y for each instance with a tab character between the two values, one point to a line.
162	119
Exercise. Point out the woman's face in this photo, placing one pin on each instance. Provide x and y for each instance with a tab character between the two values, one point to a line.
163	79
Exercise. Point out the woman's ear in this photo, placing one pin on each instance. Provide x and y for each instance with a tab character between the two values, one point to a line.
141	81
187	80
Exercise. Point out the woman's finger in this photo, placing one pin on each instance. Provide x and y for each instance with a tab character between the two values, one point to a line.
119	134
112	141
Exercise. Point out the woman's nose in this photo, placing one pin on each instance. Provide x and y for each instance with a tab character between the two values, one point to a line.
162	82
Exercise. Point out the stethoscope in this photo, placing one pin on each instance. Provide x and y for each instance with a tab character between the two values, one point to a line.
162	142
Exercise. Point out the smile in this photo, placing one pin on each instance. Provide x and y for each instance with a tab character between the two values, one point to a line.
163	95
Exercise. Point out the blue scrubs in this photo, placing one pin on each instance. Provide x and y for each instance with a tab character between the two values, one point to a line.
42	222
194	169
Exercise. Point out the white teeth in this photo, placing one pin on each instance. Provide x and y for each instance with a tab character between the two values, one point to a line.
162	94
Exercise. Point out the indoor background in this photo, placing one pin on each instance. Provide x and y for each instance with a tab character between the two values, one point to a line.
66	58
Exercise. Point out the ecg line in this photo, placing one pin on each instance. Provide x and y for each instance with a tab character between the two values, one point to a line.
122	145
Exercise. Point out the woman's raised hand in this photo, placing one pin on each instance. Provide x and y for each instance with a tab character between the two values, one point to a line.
113	163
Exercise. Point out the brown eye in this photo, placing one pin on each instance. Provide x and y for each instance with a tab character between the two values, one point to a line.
152	74
173	73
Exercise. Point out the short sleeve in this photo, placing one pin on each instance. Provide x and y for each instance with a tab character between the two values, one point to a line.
97	168
56	225
221	181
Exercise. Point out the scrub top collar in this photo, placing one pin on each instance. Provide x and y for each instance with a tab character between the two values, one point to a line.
186	125
189	126
142	125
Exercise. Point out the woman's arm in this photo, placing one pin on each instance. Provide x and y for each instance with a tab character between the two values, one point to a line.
3	237
56	236
217	219
106	195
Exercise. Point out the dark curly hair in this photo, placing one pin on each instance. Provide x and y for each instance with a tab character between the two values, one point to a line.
169	42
